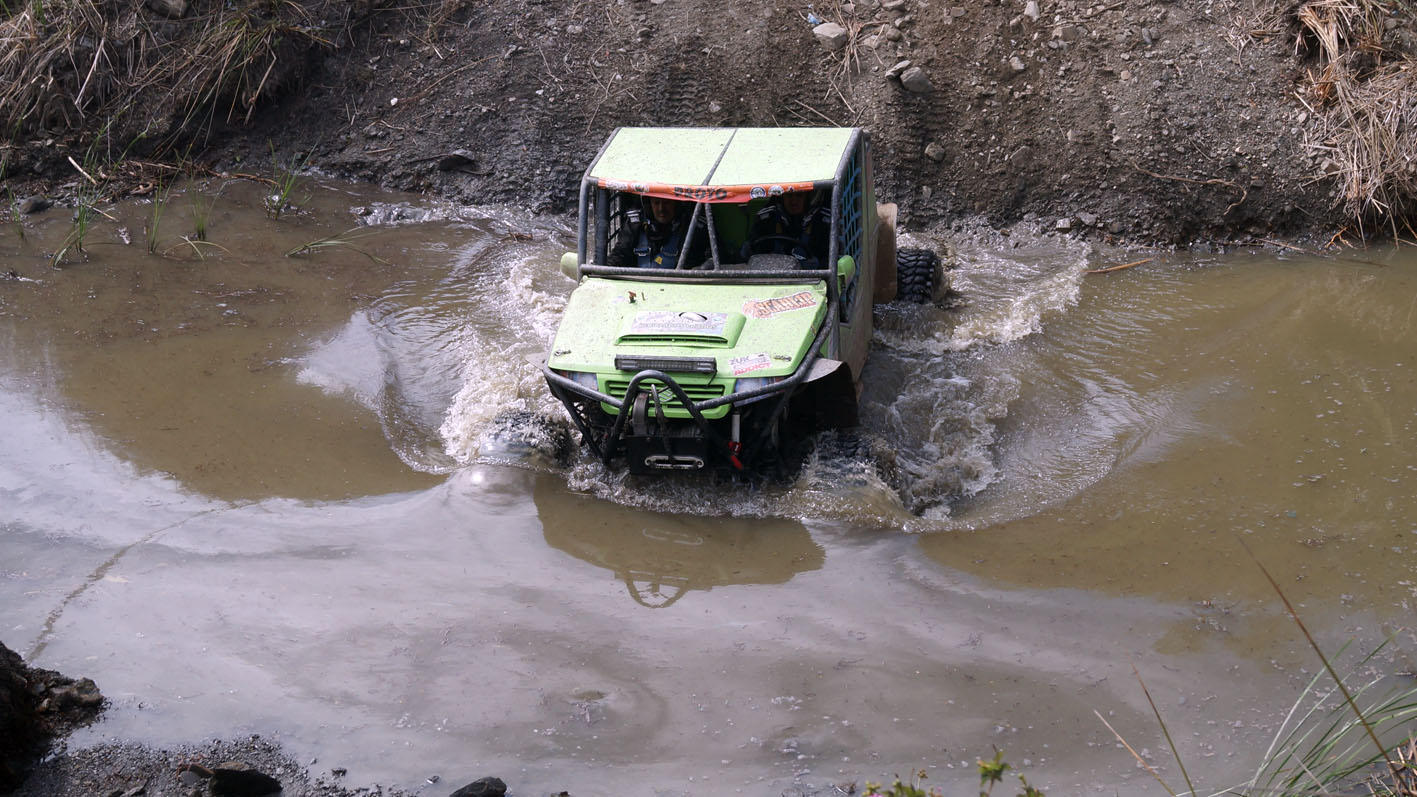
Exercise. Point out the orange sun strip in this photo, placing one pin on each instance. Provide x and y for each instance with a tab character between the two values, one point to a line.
705	193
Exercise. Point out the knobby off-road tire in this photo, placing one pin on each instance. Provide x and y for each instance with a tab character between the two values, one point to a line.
917	272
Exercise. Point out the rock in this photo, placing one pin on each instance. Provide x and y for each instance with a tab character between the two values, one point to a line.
82	693
1031	10
1063	225
36	705
575	30
239	779
892	5
895	72
21	736
892	33
457	159
916	81
1088	219
173	9
482	787
1017	64
34	204
831	35
935	152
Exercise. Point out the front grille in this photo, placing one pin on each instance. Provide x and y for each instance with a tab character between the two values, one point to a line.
696	393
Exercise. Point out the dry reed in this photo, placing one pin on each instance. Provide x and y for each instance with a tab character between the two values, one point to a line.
1365	96
72	65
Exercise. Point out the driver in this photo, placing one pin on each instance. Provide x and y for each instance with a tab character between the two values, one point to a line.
790	225
656	239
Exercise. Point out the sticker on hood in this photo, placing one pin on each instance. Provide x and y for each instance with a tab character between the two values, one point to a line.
670	322
749	362
767	308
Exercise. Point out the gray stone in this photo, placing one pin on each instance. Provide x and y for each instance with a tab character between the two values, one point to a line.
482	787
894	72
892	33
1017	64
892	5
1088	219
1063	225
239	779
935	152
173	9
831	35
34	204
1031	10
916	81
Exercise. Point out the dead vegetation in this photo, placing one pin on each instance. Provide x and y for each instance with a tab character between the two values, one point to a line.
1364	94
149	80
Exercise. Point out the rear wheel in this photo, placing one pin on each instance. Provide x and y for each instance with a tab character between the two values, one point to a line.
917	275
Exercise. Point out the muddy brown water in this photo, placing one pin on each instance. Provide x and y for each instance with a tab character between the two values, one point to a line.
252	493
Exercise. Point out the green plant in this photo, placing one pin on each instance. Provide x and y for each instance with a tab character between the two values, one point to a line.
344	239
1324	743
151	230
899	788
992	771
195	246
12	205
86	199
285	178
202	204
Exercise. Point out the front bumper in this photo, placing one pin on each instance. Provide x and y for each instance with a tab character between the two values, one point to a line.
653	441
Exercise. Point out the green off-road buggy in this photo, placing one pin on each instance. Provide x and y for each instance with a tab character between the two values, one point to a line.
721	363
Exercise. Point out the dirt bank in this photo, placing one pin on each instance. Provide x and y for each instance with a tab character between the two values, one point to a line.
1140	121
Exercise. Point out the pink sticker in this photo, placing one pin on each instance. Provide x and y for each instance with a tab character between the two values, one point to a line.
748	363
767	308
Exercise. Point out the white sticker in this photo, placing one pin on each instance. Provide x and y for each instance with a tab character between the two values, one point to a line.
749	363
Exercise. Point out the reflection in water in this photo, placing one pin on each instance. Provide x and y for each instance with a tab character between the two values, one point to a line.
662	556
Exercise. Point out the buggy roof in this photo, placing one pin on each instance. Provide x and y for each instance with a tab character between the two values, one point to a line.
715	164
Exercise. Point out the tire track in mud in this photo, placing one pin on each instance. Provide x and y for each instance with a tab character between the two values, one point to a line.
684	94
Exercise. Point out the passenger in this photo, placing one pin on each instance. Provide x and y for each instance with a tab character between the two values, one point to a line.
789	225
656	238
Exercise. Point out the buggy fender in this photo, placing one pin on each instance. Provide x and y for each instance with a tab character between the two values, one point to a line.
822	368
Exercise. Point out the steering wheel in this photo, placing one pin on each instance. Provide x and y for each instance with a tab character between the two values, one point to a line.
755	246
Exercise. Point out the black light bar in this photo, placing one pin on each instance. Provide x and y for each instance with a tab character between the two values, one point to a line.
686	365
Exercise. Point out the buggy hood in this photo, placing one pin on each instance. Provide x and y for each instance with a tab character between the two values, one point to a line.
747	330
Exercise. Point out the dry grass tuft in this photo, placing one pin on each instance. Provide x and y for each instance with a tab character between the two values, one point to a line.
1365	96
72	65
